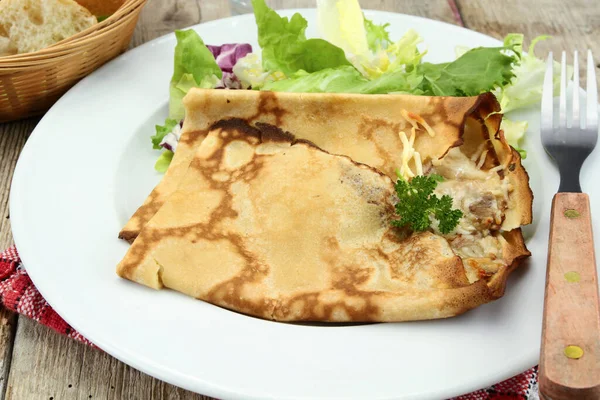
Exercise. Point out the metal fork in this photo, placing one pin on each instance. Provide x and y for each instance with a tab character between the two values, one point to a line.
570	352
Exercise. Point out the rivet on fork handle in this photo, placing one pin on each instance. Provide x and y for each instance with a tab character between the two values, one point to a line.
570	357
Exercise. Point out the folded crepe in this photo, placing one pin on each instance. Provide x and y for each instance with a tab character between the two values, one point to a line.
277	228
364	127
273	226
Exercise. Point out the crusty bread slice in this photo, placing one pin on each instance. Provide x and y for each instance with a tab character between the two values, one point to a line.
6	47
31	25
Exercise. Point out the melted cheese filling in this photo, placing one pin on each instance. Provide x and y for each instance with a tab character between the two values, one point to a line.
482	197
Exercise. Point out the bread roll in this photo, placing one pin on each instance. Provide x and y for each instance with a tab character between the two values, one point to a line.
6	47
31	25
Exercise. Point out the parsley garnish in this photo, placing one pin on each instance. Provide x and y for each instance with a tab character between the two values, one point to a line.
416	203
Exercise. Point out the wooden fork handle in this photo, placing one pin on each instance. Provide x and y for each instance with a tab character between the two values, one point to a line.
570	354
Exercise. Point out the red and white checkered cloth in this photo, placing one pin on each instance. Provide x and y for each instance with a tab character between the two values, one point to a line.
17	293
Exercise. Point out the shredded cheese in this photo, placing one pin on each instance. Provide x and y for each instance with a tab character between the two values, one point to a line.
407	154
408	150
482	159
416	120
428	128
478	152
407	117
418	163
496	168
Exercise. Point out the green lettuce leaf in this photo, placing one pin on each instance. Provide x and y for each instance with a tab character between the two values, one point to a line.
162	131
163	162
368	45
392	82
514	41
346	80
377	35
478	70
285	47
341	22
332	80
251	74
404	52
514	131
194	66
401	55
179	89
193	57
525	89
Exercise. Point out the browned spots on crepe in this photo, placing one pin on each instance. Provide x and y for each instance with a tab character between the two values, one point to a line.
235	235
211	220
363	127
268	105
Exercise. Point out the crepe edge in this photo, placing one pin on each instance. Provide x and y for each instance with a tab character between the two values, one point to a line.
198	97
392	307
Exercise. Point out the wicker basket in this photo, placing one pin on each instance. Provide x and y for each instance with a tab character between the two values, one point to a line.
31	83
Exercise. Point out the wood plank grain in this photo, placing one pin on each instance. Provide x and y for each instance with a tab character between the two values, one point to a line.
12	139
161	17
47	365
8	326
573	25
433	9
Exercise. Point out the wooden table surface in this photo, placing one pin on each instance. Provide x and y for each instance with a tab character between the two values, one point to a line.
37	363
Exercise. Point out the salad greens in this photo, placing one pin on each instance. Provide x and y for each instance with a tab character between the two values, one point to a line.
342	24
162	131
377	35
346	80
526	88
367	44
285	47
163	162
478	70
194	66
251	74
514	131
355	55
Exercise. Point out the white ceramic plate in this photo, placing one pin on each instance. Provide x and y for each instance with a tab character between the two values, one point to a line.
89	164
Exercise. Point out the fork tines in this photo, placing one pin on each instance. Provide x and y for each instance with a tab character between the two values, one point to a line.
591	115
